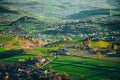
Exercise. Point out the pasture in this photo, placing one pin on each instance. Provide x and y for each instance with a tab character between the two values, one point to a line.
87	68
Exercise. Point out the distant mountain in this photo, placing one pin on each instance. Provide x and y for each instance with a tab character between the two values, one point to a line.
115	3
88	14
23	19
9	13
8	9
26	25
92	14
61	8
43	17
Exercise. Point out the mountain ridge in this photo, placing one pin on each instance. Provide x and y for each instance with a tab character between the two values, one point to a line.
60	8
91	13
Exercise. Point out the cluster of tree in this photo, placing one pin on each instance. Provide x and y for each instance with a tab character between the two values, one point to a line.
11	53
85	28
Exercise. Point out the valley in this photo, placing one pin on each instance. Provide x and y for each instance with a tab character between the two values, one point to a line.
59	40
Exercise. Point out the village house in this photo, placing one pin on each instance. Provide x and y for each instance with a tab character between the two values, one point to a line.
62	52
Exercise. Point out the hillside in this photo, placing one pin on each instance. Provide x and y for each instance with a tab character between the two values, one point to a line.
32	27
59	39
26	26
85	27
7	9
9	13
18	42
60	8
94	13
78	18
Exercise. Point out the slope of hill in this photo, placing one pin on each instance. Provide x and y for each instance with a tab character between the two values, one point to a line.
18	42
26	26
7	9
29	26
94	13
98	28
14	19
61	8
9	13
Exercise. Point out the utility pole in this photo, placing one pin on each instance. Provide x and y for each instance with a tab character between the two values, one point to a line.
110	13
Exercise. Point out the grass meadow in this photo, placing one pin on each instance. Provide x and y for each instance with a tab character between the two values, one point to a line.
88	68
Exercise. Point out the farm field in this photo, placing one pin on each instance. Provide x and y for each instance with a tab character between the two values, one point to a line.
77	67
60	40
87	68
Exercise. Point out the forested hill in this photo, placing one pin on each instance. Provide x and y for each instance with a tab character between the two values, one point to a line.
7	9
9	14
93	13
23	19
36	18
25	26
29	26
60	8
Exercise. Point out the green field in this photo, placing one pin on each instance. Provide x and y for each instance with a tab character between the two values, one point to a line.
4	39
2	49
16	58
76	66
26	56
90	69
101	44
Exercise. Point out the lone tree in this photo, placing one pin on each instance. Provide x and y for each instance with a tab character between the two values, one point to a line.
113	46
99	55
